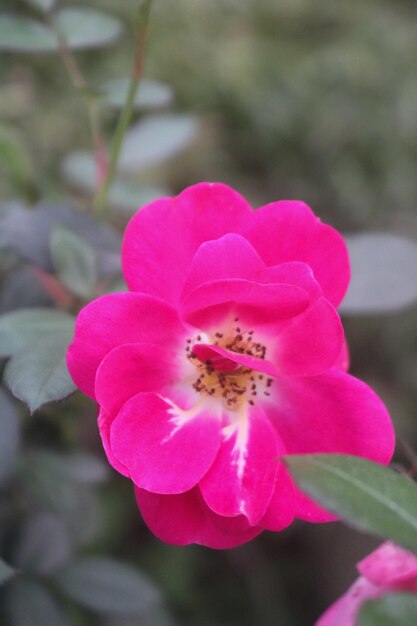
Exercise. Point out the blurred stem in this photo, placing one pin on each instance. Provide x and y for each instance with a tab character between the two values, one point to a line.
142	23
81	85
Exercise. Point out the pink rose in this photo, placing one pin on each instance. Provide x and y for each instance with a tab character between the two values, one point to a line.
386	570
227	353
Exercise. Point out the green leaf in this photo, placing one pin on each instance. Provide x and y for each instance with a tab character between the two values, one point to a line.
107	586
38	374
20	328
9	435
74	260
21	34
367	495
87	28
151	94
13	156
75	501
81	29
43	5
6	572
396	609
75	467
156	139
78	169
43	544
384	273
30	604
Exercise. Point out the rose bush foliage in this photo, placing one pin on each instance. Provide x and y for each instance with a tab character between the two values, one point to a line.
226	353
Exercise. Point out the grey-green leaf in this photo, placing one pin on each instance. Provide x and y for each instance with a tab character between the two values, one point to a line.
43	5
20	328
74	260
43	544
396	609
107	586
21	34
76	467
78	169
87	28
367	495
156	139
151	94
384	273
81	28
9	435
6	572
30	604
38	374
75	502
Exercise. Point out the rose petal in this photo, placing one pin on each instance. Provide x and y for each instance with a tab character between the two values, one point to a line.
230	256
334	412
254	303
289	231
185	518
280	511
242	478
343	360
309	343
117	319
161	239
345	610
105	421
166	449
130	369
227	360
391	567
292	273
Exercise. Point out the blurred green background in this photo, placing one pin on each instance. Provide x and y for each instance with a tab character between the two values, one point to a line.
314	100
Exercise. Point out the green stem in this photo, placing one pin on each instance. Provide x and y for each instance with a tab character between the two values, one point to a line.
80	84
100	201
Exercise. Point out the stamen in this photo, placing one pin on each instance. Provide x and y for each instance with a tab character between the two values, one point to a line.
236	387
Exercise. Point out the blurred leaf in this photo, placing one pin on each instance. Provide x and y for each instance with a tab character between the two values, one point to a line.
156	139
29	232
38	373
9	435
21	289
13	156
30	604
151	94
78	169
6	572
43	545
81	28
78	467
8	259
396	609
83	513
74	501
87	28
107	586
369	496
44	5
21	34
384	273
74	261
20	328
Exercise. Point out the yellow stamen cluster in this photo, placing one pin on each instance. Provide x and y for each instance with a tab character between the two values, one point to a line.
236	386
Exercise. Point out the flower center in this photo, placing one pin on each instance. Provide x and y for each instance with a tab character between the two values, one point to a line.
221	377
